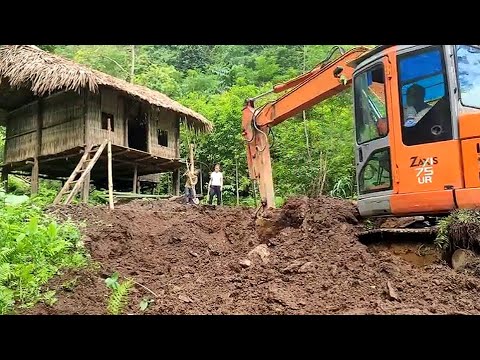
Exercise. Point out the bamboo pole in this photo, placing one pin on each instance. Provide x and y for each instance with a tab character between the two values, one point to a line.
192	167
236	181
132	69
110	172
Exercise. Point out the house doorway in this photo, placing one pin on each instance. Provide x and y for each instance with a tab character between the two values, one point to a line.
137	132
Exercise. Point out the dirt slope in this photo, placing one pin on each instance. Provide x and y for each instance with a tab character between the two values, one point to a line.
302	259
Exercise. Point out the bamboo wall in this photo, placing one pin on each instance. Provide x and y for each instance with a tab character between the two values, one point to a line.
63	123
64	116
164	120
110	102
62	127
21	133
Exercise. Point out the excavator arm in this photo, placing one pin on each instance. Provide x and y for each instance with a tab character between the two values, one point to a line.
324	81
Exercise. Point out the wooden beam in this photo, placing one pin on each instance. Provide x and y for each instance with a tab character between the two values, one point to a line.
121	152
136	162
146	158
25	173
66	157
20	134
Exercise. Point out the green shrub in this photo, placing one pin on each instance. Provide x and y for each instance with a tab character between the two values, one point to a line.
33	248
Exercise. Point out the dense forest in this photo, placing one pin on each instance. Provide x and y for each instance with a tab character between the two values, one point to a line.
215	80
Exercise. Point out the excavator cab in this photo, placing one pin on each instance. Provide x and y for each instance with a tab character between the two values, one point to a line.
417	164
417	125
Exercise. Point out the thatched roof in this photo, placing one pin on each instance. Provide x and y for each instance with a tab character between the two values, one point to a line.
43	73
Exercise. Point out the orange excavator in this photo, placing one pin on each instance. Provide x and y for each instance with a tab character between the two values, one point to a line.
417	126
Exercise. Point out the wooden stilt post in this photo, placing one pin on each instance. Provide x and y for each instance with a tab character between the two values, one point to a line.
38	149
110	170
135	179
34	177
86	184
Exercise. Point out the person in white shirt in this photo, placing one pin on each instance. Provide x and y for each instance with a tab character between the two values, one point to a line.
215	185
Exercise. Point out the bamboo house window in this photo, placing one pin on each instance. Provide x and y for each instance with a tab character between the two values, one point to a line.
105	117
162	136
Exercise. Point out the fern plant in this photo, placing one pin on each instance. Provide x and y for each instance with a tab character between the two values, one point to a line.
119	296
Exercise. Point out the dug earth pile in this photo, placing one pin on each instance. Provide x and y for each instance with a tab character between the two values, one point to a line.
301	259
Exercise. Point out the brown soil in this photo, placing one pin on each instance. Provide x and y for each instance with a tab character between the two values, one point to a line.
301	259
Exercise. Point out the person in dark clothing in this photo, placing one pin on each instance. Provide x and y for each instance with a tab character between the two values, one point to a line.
215	185
416	105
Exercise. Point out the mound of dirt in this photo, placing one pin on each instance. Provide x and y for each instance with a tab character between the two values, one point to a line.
301	259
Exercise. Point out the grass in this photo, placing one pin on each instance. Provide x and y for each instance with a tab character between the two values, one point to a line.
33	249
460	230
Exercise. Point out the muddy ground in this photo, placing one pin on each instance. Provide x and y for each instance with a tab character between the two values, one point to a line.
302	259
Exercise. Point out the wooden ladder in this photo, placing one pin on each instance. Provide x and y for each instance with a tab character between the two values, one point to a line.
82	171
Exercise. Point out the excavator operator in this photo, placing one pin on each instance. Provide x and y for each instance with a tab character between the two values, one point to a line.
416	105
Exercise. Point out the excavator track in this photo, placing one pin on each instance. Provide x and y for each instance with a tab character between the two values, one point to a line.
404	234
402	229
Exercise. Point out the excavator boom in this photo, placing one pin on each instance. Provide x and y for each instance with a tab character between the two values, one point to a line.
323	82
